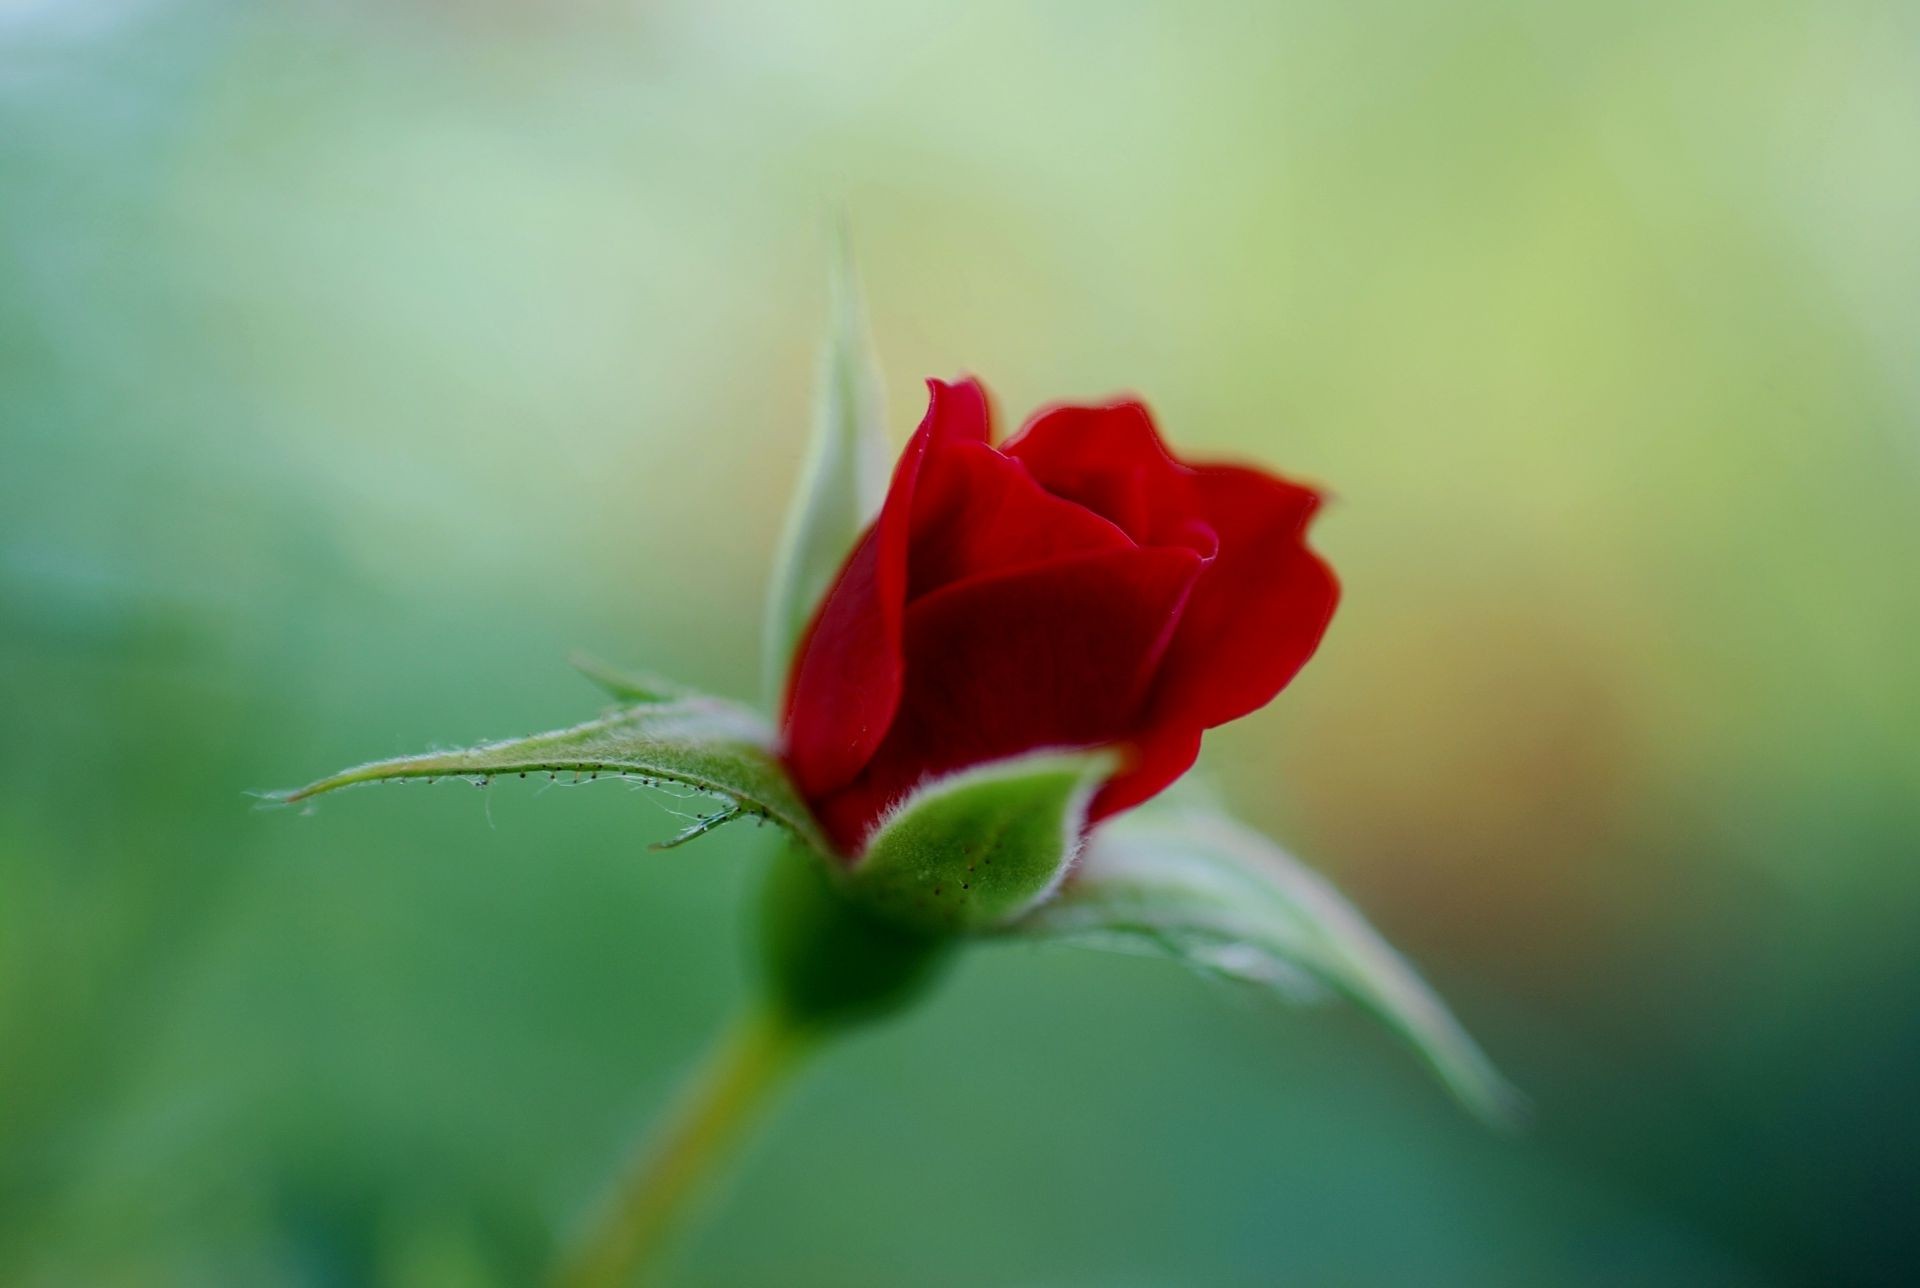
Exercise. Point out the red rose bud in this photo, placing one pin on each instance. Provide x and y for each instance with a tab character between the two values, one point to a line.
1074	587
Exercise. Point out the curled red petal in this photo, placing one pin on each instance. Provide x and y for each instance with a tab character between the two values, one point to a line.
1111	460
977	511
960	412
1260	609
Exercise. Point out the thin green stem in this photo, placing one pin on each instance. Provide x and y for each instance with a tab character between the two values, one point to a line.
652	1200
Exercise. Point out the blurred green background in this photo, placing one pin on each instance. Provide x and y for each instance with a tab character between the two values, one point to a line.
357	361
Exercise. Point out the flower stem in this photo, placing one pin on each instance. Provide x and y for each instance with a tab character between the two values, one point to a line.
649	1204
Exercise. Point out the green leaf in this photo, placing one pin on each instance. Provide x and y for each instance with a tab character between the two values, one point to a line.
844	479
714	747
1195	885
977	849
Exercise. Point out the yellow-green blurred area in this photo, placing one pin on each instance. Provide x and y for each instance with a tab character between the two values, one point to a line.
358	361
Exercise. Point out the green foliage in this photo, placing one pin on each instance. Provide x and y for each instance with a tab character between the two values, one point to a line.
977	849
845	477
1198	886
708	744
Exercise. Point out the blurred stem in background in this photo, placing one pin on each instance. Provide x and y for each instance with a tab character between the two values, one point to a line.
752	1061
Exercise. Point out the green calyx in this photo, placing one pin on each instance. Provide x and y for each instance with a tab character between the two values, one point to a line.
964	854
980	848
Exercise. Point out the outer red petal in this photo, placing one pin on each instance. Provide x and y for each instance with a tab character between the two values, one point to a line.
845	683
1158	757
1062	654
1259	611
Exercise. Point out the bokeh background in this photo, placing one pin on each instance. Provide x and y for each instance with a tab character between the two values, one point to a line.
358	361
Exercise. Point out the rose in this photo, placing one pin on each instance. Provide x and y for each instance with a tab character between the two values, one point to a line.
1076	593
1074	587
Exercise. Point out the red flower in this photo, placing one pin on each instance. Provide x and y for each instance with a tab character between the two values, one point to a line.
1074	587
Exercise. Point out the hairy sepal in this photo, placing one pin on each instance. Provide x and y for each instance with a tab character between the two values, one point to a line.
1191	883
707	744
978	849
843	482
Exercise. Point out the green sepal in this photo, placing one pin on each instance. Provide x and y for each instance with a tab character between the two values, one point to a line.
979	848
843	482
1193	884
710	745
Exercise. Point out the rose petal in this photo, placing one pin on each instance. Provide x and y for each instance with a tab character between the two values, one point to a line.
1159	756
976	512
846	677
1111	460
1060	655
1259	610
